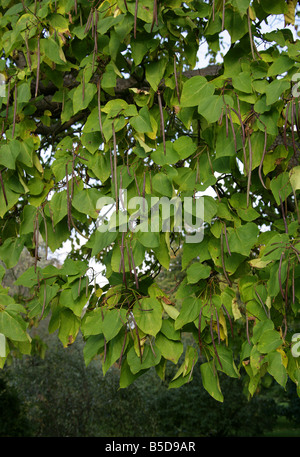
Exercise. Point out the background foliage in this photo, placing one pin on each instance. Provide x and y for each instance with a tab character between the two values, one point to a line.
105	95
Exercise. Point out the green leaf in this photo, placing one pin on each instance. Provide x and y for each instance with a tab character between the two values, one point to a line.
148	315
190	310
113	322
83	96
155	71
243	238
210	381
162	185
275	89
170	350
148	359
10	251
276	368
12	326
197	271
194	90
228	366
269	341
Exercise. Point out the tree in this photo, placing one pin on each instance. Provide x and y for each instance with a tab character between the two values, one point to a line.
106	96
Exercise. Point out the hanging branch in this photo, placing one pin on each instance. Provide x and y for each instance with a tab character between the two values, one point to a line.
162	124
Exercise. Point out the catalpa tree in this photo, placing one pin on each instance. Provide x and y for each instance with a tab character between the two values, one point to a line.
108	123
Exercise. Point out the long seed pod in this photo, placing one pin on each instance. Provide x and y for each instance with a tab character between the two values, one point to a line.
250	170
226	121
287	283
155	18
89	21
230	321
127	164
247	329
283	214
129	259
68	198
3	189
136	183
226	238
263	158
223	15
261	302
134	269
115	167
96	32
250	35
279	276
75	6
99	108
213	10
46	232
123	348
79	286
292	127
8	98
38	66
44	302
105	344
125	3
27	51
285	125
162	124
123	260
135	18
213	341
218	326
293	284
176	79
138	337
199	330
83	86
223	261
15	111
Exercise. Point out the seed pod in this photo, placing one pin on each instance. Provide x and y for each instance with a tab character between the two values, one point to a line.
199	330
230	321
162	124
135	18
213	341
15	111
279	275
250	171
262	159
38	66
3	189
123	347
